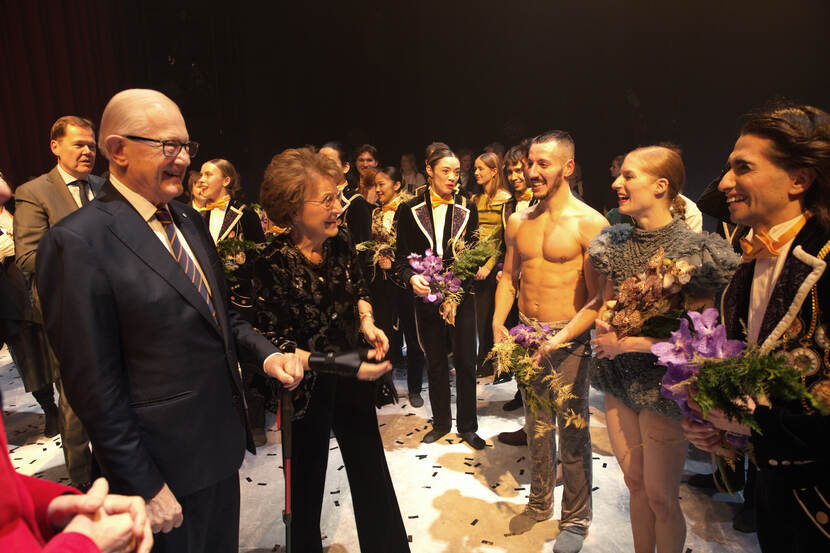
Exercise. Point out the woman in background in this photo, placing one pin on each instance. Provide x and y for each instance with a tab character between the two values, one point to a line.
392	300
490	203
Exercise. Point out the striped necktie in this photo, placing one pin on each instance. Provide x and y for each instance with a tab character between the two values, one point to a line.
184	260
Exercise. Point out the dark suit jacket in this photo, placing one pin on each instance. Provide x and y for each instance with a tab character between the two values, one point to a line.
794	445
148	370
39	204
416	232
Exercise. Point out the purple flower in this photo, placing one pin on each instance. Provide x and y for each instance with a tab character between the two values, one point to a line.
705	324
434	297
678	350
721	348
415	262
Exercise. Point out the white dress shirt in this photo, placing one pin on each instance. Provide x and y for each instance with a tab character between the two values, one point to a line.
74	189
439	216
767	271
217	217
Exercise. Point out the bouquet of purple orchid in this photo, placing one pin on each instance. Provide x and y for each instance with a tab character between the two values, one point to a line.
716	372
442	286
445	286
515	354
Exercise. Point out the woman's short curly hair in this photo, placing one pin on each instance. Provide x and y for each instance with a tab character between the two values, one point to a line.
286	179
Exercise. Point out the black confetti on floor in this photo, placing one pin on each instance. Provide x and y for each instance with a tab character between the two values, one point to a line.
261	483
340	467
248	478
336	503
604	465
521	472
518	489
334	492
474	522
412	516
486	542
595	488
433	474
333	448
469	473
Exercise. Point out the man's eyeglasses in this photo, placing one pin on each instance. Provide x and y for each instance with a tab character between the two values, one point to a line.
327	201
171	148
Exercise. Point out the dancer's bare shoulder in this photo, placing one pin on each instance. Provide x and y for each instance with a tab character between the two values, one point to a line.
590	221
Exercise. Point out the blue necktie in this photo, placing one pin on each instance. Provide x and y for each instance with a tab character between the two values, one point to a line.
185	261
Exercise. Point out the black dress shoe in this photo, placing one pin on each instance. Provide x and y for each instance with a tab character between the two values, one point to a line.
518	437
434	435
502	377
513	404
473	439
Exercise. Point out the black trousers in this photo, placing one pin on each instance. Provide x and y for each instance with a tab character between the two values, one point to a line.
485	305
393	304
783	524
345	406
433	336
211	521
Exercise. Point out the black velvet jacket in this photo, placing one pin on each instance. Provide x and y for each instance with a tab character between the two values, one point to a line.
795	443
313	305
416	232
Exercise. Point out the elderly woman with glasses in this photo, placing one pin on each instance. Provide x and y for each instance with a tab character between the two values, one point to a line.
311	291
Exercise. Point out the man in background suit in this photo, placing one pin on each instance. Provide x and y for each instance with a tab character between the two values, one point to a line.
136	307
39	205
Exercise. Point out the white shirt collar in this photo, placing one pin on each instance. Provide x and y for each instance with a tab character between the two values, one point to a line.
141	204
67	178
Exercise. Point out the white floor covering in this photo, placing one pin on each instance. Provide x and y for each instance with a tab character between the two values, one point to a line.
453	498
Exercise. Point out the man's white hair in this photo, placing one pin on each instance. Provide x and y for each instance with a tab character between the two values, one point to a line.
126	114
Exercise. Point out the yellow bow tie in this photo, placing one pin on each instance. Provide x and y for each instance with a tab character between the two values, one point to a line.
392	205
526	196
438	200
762	245
221	203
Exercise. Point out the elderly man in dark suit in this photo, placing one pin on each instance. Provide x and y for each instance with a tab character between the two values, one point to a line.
137	311
39	205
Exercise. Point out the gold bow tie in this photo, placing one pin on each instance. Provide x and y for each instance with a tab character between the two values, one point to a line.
221	203
438	200
762	245
392	205
526	196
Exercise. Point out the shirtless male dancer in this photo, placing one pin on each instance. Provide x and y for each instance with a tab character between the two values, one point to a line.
547	244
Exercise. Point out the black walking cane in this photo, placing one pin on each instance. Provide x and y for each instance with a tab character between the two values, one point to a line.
286	416
286	426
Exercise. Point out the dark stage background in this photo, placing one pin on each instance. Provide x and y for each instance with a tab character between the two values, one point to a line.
254	78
